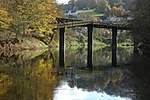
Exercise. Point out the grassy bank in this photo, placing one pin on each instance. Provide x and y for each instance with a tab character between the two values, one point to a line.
32	43
25	43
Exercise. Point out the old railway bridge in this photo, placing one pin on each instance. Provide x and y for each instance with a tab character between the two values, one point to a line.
63	23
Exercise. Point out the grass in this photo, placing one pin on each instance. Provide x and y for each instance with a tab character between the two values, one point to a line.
85	11
99	15
91	10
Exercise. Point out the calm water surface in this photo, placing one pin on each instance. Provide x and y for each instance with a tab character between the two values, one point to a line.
36	75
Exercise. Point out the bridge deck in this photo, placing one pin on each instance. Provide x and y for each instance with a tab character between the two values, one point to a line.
79	23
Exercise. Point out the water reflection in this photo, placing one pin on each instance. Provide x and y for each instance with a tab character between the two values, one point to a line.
38	76
64	92
27	79
101	57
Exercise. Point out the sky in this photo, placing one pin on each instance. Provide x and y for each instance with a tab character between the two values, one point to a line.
62	1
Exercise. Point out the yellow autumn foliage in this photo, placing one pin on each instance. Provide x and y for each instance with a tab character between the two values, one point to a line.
40	81
5	83
29	16
4	18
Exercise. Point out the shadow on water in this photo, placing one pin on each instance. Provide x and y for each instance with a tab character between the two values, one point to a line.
37	76
141	76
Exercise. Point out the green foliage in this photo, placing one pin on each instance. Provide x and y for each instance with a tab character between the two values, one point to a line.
103	6
116	2
99	15
86	4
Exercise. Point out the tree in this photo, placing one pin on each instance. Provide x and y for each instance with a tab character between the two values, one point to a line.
86	4
5	19
103	6
114	10
117	11
141	26
31	17
37	14
81	4
91	3
115	2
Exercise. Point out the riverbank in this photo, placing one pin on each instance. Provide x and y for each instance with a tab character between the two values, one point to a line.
26	43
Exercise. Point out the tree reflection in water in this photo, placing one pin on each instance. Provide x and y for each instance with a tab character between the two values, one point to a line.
38	77
27	79
110	81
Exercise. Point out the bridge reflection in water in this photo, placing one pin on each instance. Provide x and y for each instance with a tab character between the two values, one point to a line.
69	23
90	59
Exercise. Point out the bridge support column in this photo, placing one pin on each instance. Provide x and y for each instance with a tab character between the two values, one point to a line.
61	47
114	46
90	52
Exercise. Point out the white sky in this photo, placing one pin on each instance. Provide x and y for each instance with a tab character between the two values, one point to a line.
62	1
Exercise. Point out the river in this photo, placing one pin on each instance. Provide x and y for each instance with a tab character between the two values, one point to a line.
36	75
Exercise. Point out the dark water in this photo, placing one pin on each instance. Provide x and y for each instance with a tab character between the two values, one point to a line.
36	75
